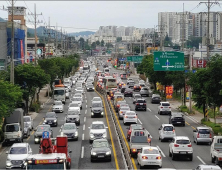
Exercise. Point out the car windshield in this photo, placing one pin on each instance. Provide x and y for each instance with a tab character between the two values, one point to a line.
12	128
18	150
58	103
141	101
151	151
165	104
96	99
73	112
182	141
168	128
137	96
76	99
145	88
98	126
100	144
124	108
69	127
79	88
139	139
43	128
90	86
96	104
129	113
26	119
48	115
73	105
59	92
137	127
204	131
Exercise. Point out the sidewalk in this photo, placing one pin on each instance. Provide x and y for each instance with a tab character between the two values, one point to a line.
43	100
197	116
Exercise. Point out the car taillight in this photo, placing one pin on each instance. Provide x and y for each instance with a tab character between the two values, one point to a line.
121	75
219	159
210	135
137	104
173	131
198	135
176	145
135	116
161	107
158	157
106	87
169	107
189	145
144	157
119	84
149	140
144	103
118	105
140	87
126	117
121	112
134	86
134	150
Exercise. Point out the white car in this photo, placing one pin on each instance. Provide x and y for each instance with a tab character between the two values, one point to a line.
58	106
129	79
206	167
17	155
181	146
166	132
73	106
97	131
77	100
141	82
79	90
95	99
78	95
130	117
149	156
67	85
164	108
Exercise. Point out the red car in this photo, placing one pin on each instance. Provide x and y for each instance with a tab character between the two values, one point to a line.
133	126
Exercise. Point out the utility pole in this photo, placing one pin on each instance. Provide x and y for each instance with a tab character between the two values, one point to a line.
56	42
49	38
35	23
140	44
191	65
12	73
161	28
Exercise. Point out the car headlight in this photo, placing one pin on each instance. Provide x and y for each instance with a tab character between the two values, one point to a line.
104	134
8	162
67	118
76	133
108	153
45	121
91	135
93	153
102	113
36	139
55	120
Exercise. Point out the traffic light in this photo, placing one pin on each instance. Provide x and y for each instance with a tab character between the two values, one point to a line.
115	66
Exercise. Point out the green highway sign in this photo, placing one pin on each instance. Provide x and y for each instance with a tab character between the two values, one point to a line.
136	58
168	61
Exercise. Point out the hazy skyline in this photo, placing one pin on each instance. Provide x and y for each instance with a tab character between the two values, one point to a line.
92	14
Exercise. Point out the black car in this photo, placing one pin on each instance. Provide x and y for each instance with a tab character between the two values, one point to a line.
155	98
100	150
177	118
128	92
123	88
50	119
130	84
140	104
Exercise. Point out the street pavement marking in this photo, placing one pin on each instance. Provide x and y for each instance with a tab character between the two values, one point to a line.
86	101
157	117
187	123
82	153
84	119
32	132
161	151
83	127
140	122
86	106
193	127
83	136
148	109
40	123
192	119
201	160
28	138
130	97
85	111
110	134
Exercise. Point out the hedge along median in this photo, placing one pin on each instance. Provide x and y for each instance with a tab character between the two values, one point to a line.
215	127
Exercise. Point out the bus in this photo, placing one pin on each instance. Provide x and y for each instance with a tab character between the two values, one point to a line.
109	83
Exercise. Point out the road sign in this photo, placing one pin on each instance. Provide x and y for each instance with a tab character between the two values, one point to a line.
168	61
136	58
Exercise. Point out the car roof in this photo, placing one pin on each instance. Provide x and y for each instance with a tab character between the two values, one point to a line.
69	124
181	137
164	102
178	114
50	112
137	94
96	97
130	112
43	126
150	147
167	125
96	101
19	145
203	128
214	167
140	99
101	140
97	122
155	95
124	107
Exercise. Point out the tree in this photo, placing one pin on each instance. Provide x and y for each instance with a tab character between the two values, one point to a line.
193	42
30	77
109	45
118	39
10	96
102	43
97	42
93	45
167	41
137	50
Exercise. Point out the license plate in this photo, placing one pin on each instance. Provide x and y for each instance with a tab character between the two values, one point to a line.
101	156
166	107
141	103
178	122
183	152
50	123
12	139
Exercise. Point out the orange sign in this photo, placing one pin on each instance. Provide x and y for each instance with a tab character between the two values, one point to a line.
47	161
169	92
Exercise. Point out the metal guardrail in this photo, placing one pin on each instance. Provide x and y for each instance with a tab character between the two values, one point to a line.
120	134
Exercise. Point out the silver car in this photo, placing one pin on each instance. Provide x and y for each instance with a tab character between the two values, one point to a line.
144	91
122	111
58	106
202	135
29	121
97	131
17	155
70	130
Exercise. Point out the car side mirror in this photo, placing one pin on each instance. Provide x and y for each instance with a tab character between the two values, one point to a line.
70	151
6	152
194	131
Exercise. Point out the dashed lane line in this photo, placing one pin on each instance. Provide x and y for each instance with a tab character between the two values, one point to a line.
83	128
148	109
157	117
193	127
82	153
83	136
187	123
140	122
201	160
84	119
85	111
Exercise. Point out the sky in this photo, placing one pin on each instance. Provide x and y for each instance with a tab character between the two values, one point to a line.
89	15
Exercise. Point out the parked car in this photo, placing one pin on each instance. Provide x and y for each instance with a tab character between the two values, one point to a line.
70	130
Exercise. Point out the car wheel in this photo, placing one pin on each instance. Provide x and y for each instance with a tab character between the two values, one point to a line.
145	109
184	124
77	138
191	157
173	156
161	140
160	113
212	159
197	142
81	107
92	160
141	167
170	154
91	116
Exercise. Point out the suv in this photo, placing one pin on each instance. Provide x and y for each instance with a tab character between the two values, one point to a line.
176	118
97	109
128	92
73	116
17	154
202	135
164	107
166	131
97	131
140	104
144	91
155	98
181	145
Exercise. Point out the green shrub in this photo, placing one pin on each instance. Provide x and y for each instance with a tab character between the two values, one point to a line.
35	107
184	109
215	127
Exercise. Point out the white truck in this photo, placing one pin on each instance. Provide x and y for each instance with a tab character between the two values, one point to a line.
14	127
216	150
59	94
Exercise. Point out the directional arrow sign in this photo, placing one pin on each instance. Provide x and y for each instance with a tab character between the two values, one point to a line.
168	61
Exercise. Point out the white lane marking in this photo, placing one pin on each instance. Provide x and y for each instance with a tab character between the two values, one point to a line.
84	119
148	109
130	97
157	117
140	122
3	150
161	151
83	136
86	106
192	119
83	128
82	153
86	101
201	160
85	111
149	133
